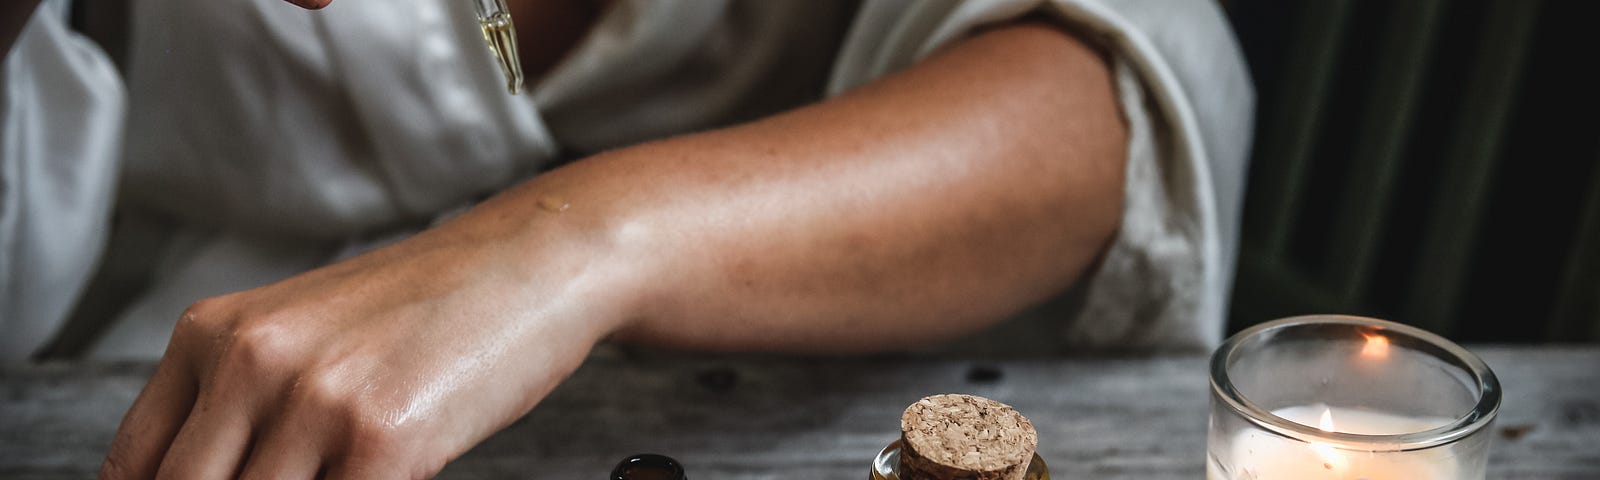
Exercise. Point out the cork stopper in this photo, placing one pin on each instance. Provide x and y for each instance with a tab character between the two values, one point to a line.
965	437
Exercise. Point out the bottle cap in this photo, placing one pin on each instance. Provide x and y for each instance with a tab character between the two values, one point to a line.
965	437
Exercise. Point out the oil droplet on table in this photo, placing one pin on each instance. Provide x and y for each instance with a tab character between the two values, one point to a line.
553	204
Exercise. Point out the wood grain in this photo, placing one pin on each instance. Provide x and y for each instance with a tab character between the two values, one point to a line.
799	418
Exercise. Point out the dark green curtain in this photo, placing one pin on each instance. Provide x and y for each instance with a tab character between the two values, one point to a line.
1426	161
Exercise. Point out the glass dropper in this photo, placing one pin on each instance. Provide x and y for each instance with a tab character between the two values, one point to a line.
501	36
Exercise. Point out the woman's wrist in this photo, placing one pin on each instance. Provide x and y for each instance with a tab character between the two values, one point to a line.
572	256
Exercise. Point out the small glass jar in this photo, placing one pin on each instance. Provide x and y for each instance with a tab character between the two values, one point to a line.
1329	397
886	466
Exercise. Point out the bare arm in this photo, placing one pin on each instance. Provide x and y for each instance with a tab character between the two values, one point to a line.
930	203
935	201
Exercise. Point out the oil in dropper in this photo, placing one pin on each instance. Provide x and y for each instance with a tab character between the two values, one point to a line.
501	36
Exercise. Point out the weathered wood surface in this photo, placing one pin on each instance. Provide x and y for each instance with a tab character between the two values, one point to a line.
1131	418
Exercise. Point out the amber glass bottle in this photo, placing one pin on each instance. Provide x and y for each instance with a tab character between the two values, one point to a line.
886	466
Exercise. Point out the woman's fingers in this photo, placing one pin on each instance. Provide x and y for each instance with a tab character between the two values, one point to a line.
150	424
290	450
371	469
212	443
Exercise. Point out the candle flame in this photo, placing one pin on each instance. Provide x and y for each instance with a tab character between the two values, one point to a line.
1377	346
1331	458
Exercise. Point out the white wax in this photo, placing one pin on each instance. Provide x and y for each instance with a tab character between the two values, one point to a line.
1364	422
1258	455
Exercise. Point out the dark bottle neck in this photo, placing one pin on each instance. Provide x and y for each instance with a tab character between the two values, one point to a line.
648	466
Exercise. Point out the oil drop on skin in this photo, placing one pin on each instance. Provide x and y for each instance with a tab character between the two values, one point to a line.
553	204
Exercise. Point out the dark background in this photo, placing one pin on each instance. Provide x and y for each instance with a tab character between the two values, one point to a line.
1425	161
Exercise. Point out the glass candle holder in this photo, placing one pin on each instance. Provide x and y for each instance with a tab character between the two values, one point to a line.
1329	397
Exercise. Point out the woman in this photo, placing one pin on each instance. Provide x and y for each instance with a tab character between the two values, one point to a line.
812	178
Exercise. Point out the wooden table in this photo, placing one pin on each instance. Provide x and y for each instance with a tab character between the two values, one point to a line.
1126	418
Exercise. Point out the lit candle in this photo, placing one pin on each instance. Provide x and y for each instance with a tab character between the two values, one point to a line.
1347	398
1264	456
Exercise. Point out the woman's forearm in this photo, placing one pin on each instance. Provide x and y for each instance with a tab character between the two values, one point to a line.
927	204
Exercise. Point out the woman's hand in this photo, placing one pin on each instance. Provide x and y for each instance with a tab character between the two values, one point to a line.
384	366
